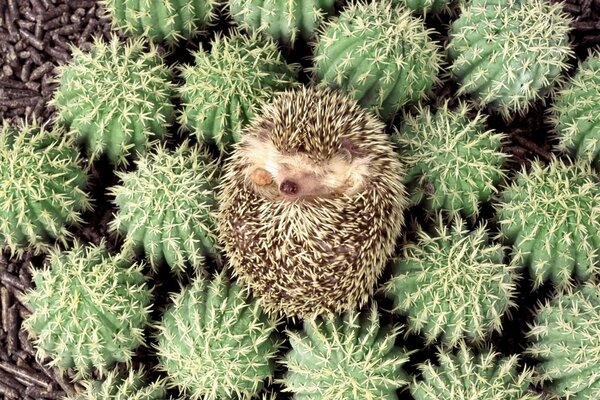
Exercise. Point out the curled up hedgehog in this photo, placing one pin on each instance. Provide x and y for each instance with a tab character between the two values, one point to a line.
311	204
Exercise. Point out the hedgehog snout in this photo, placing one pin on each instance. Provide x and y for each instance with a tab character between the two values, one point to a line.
288	187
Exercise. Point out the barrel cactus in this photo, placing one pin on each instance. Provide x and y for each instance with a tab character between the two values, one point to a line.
283	20
509	53
226	87
215	342
41	187
551	216
116	99
564	339
379	54
117	386
453	162
345	357
89	309
168	20
452	285
167	207
575	113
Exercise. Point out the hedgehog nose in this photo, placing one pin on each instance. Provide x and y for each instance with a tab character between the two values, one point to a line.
288	187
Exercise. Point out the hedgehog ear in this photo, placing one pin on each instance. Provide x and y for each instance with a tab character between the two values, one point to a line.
265	129
347	149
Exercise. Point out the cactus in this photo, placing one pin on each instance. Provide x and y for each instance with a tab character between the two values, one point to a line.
345	357
167	20
564	339
167	207
89	309
41	187
284	20
575	115
226	87
118	387
509	53
486	376
379	54
116	99
453	163
214	342
452	285
426	6
551	216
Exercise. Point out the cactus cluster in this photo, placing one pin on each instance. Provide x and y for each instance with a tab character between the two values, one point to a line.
41	187
116	386
215	342
167	206
345	357
508	53
89	309
379	54
551	216
116	99
226	87
452	162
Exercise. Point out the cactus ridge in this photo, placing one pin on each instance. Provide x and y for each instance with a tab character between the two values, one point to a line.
116	386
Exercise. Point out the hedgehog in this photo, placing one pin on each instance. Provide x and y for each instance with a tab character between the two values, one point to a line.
311	203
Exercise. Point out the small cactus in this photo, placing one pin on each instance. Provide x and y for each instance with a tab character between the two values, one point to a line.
89	309
345	357
167	206
214	342
453	163
116	99
168	20
284	20
575	112
41	187
565	341
464	375
551	216
509	53
452	285
379	54
225	88
118	387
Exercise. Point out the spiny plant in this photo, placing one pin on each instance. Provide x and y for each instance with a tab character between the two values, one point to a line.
508	53
116	386
551	216
284	20
167	206
225	88
89	309
116	98
216	342
379	54
426	6
464	375
453	163
168	20
452	285
575	114
565	342
41	187
345	357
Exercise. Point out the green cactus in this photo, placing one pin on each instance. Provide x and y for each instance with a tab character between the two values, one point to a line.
214	342
486	376
575	113
89	309
452	285
379	54
41	187
168	20
116	98
509	53
551	216
284	20
118	387
167	207
226	87
453	163
426	6
565	341
345	357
